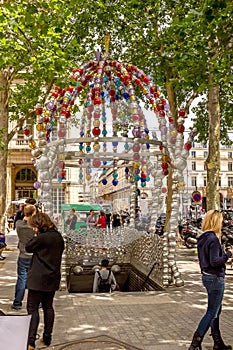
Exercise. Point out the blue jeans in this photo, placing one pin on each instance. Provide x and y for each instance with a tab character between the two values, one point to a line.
23	265
215	289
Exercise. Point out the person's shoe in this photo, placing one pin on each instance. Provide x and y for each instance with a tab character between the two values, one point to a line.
17	308
2	257
218	341
196	342
30	347
46	339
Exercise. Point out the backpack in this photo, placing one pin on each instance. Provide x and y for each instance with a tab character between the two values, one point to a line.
104	283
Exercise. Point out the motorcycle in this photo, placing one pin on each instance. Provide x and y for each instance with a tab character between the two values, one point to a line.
189	232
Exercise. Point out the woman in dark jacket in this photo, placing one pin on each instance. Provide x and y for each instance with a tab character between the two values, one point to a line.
44	274
212	260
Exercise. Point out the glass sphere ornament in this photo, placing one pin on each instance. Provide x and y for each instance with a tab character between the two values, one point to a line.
115	175
96	163
104	182
40	127
180	128
37	185
96	123
88	149
136	147
96	147
137	177
61	133
188	146
136	156
143	184
32	144
80	176
114	182
96	132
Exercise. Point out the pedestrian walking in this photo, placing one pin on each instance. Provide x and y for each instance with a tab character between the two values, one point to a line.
212	260
44	275
104	280
108	219
24	233
116	220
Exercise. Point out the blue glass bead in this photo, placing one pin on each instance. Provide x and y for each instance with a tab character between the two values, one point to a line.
114	182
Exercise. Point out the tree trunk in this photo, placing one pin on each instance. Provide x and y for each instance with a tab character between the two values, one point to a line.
213	159
4	145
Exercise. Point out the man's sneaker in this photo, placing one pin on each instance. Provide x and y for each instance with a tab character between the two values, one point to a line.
16	307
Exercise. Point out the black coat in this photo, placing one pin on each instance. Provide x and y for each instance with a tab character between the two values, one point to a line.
45	271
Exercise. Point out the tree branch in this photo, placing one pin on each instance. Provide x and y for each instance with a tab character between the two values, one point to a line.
189	102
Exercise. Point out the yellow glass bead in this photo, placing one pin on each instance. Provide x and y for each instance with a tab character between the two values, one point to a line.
165	158
88	177
32	144
133	110
96	123
144	168
135	165
40	127
96	147
132	98
173	133
61	156
145	91
147	137
88	143
65	99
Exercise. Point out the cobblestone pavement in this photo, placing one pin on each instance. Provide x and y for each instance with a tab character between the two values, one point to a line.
158	320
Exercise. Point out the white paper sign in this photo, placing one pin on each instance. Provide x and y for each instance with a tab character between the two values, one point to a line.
14	332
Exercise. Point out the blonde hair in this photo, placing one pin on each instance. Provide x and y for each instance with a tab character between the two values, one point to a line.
213	222
29	210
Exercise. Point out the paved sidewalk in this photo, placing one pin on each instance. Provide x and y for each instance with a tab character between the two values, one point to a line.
127	321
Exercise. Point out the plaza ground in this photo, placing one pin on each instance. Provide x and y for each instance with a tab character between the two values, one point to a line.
126	321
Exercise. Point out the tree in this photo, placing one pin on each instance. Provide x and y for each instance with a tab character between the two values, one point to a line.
37	46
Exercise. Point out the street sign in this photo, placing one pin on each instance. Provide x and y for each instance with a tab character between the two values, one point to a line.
196	196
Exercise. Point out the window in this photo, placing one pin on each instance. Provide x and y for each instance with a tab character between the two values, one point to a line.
58	199
193	154
220	182
194	181
193	165
229	154
230	181
205	167
230	166
204	181
205	154
25	175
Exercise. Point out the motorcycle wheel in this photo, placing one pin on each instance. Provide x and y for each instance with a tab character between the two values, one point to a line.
189	245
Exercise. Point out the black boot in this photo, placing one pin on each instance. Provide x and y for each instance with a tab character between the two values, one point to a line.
196	342
218	342
47	338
